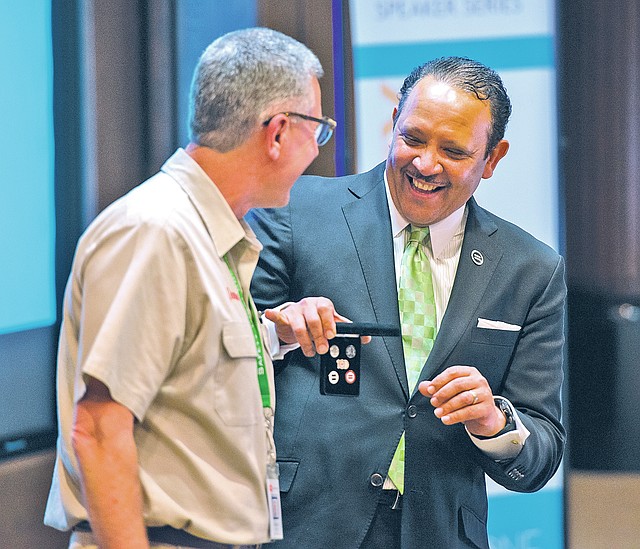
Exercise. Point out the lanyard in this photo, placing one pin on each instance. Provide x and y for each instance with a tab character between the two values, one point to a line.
263	380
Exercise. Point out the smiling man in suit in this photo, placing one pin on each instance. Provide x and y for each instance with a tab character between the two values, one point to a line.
472	387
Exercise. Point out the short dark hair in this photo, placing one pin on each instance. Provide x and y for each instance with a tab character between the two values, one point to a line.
471	76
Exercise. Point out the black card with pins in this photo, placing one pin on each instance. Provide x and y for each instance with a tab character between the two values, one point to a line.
340	366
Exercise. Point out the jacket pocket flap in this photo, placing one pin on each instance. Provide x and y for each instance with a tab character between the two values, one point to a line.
475	530
494	337
288	470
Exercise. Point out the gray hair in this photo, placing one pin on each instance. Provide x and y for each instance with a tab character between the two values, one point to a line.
238	77
473	77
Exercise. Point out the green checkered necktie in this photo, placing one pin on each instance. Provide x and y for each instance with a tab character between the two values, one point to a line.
417	307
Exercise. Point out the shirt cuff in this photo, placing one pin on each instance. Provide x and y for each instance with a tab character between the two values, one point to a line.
506	446
276	349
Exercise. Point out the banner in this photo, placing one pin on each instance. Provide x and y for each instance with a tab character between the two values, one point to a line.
514	37
517	39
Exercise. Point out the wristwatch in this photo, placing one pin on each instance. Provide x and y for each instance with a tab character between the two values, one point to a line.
504	406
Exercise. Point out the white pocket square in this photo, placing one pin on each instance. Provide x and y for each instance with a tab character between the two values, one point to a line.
497	325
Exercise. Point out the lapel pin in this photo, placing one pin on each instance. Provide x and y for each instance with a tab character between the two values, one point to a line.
477	257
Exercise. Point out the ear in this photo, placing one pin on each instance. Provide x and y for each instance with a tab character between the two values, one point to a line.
393	117
275	135
497	154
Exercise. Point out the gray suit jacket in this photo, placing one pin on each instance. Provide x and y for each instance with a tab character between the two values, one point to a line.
334	240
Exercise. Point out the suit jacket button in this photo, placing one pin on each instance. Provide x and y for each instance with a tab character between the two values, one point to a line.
376	480
412	411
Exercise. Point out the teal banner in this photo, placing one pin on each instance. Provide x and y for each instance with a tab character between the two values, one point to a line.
375	61
27	209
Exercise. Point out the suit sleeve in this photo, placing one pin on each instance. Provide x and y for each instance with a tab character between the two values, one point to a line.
534	385
270	285
271	280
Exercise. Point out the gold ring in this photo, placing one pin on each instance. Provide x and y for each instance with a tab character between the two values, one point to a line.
475	397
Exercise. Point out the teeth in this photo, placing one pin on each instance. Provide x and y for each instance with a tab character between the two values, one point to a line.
422	185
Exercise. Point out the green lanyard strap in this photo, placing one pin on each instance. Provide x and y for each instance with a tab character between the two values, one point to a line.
263	380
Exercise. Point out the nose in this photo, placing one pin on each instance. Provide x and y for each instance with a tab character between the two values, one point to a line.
428	163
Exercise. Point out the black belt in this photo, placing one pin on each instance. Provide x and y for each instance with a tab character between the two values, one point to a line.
391	499
172	536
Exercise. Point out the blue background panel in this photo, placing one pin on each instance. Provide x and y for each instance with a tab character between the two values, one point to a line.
526	521
27	213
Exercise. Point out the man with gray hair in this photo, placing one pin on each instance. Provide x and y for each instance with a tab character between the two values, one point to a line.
165	383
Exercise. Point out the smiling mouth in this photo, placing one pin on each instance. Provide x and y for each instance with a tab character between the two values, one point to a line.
423	186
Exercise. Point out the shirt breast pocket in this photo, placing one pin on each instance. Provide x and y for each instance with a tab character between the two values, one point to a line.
237	395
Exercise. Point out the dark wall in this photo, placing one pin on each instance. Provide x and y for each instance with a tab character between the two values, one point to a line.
129	97
599	82
136	58
319	25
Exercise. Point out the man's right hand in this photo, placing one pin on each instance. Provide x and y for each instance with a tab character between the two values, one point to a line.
311	322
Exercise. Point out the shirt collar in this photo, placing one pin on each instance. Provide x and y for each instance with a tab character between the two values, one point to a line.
224	228
441	232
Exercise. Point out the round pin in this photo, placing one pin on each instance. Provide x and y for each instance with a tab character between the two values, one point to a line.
477	257
350	351
334	351
334	377
350	377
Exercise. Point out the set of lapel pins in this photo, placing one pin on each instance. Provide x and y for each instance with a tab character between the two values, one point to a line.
340	367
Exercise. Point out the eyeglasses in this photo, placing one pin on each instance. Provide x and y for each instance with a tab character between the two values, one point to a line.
323	132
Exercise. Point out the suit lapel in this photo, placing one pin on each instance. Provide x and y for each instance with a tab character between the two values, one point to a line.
370	227
368	220
469	286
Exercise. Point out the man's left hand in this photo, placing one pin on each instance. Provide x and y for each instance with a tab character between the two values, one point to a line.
461	394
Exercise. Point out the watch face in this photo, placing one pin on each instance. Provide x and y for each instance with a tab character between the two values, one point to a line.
505	409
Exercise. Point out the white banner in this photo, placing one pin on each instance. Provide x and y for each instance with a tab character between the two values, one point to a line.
516	38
